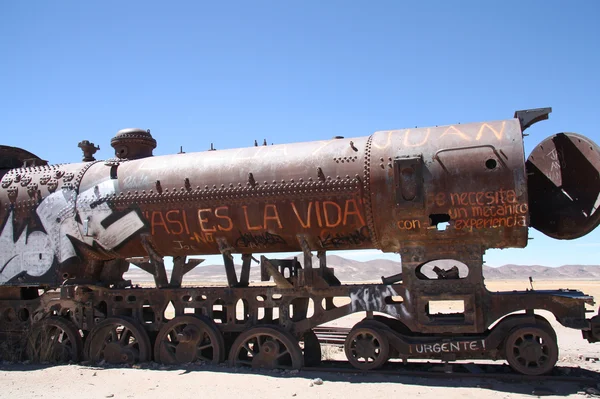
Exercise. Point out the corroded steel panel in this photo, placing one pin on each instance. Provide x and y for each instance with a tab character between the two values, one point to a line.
392	190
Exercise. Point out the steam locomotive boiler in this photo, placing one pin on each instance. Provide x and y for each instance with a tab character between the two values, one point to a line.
438	196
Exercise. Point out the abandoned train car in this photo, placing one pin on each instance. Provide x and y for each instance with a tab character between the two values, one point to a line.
439	196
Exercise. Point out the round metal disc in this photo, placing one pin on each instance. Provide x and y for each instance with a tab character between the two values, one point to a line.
118	340
563	181
188	339
366	348
531	349
54	340
266	347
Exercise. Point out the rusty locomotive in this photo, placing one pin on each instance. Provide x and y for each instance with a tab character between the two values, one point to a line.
438	196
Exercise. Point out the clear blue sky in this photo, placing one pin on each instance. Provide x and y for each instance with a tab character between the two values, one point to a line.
231	72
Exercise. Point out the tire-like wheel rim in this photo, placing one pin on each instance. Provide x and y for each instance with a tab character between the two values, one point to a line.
366	348
187	339
118	340
531	350
54	340
267	348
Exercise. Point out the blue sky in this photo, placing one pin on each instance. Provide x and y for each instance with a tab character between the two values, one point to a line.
234	71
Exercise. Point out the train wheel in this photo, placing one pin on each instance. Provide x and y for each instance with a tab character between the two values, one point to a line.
531	350
188	339
366	348
266	347
118	340
54	340
312	349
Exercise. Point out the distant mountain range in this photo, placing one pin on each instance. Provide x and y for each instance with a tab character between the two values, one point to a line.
351	271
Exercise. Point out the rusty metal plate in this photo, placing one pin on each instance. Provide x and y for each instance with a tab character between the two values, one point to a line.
564	186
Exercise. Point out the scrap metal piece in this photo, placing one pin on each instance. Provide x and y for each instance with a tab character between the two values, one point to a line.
245	275
268	268
528	117
181	268
225	249
155	265
563	180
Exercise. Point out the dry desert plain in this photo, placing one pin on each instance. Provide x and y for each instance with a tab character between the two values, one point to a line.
22	381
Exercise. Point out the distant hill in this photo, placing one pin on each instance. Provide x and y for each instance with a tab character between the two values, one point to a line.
352	271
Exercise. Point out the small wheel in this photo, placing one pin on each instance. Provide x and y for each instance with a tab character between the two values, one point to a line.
312	349
531	350
366	348
266	347
187	339
118	340
54	340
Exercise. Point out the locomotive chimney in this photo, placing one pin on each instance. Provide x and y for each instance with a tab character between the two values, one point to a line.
89	149
133	143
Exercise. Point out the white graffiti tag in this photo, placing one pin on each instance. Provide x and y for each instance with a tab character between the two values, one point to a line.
372	297
66	216
31	253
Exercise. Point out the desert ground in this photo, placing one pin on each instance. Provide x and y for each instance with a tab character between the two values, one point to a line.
19	380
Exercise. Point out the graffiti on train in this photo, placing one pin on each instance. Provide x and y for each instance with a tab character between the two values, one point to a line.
382	298
67	219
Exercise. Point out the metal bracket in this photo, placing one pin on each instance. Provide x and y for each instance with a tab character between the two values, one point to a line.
408	182
245	274
528	117
308	275
226	249
180	268
154	265
267	269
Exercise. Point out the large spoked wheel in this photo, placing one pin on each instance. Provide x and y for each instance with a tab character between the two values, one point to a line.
118	340
54	340
531	350
187	339
266	347
366	348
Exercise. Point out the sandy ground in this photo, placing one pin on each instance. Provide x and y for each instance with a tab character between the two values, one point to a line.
155	381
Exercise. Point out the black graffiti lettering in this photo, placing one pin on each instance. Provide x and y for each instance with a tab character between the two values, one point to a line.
345	239
253	240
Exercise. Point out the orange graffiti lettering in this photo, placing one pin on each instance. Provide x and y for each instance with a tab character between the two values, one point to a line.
158	220
496	133
408	143
204	238
483	198
319	221
175	222
409	224
224	217
248	226
355	211
306	224
202	221
455	132
328	221
185	223
274	216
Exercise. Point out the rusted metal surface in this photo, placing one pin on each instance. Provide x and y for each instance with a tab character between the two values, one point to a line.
564	186
390	190
438	196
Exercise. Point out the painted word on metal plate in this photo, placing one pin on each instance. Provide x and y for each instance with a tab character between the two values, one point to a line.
447	347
